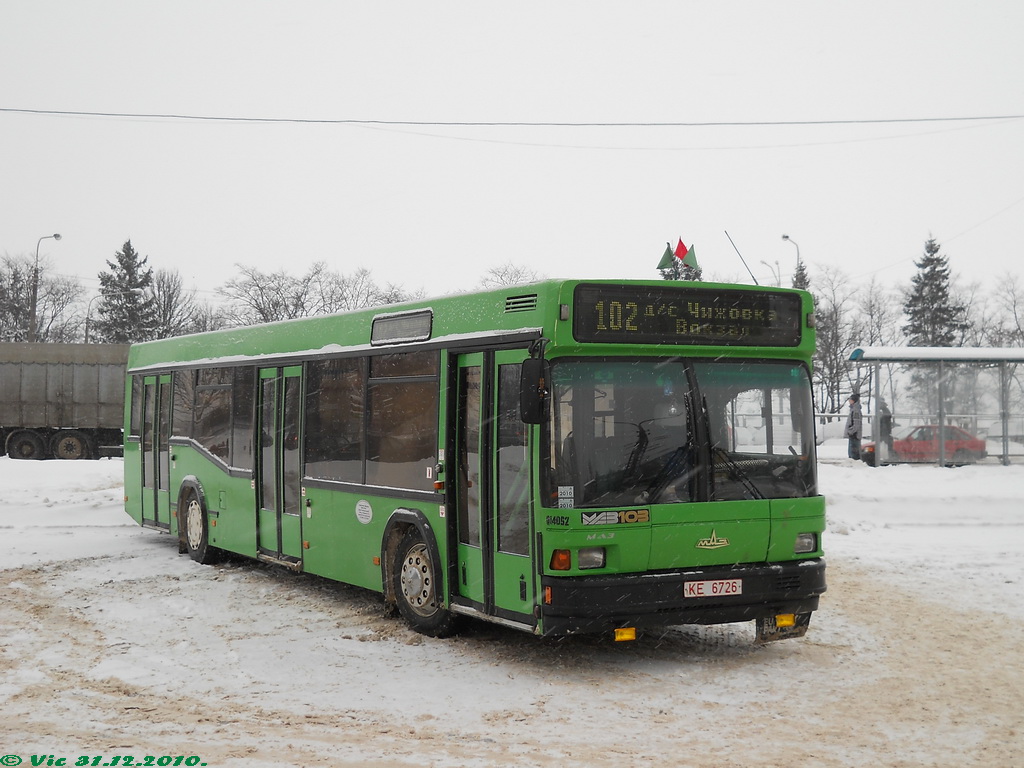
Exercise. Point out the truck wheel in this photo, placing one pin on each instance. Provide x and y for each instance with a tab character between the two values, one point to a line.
197	530
70	444
416	583
25	445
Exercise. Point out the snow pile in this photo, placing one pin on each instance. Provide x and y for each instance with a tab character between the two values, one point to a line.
112	643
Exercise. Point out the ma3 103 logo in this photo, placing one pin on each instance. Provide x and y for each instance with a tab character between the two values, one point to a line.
714	541
613	518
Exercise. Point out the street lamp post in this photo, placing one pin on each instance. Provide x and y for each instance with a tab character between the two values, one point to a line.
799	265
776	272
35	287
789	239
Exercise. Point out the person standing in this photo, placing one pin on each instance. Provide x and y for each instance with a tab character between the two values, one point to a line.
854	425
884	425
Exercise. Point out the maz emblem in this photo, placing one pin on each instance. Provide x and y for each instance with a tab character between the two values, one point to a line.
712	542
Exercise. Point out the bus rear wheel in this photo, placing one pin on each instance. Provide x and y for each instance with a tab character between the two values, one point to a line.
416	583
26	444
197	530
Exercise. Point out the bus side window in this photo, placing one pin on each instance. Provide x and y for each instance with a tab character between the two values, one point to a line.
135	423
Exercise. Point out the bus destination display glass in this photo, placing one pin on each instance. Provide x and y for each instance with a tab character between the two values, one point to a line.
656	315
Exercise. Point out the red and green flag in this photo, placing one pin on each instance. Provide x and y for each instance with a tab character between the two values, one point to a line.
686	255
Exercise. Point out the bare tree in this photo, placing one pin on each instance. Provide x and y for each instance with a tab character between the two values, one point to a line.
508	274
176	307
880	316
1006	327
56	319
837	334
339	292
208	317
256	297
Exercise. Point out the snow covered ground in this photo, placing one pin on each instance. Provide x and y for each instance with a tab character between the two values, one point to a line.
113	644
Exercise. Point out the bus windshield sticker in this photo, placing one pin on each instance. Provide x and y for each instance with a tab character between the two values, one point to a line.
566	495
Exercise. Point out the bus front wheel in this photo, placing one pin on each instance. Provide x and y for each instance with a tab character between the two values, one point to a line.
416	583
197	530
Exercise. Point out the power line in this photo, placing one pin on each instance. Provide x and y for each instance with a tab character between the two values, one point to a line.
508	123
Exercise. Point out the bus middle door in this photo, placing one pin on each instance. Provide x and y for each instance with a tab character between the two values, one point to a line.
279	530
492	488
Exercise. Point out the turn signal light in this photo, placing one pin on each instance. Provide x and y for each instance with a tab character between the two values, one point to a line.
561	560
625	633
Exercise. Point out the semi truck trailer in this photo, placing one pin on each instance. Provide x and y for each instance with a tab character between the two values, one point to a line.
63	401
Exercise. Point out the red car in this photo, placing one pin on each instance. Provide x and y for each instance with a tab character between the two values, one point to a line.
921	444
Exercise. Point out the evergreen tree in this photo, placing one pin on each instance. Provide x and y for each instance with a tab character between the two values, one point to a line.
680	271
800	278
127	312
934	318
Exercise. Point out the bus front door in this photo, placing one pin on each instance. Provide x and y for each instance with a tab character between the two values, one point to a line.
492	572
156	464
279	523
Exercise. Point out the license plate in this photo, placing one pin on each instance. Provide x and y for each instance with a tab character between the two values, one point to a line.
713	588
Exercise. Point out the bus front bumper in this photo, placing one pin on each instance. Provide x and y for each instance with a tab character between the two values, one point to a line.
582	604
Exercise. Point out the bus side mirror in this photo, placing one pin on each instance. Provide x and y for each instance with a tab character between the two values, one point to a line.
533	390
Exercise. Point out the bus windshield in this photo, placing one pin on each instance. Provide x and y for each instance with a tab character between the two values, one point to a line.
649	431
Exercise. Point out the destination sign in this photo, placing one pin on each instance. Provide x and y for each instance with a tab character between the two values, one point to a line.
686	315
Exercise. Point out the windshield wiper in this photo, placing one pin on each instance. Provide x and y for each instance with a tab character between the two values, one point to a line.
675	466
632	471
739	474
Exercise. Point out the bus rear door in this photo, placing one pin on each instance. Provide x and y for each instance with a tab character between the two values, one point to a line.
156	465
492	571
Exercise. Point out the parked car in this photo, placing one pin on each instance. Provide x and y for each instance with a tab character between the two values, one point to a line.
921	444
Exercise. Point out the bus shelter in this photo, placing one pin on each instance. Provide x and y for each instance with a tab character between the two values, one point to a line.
942	360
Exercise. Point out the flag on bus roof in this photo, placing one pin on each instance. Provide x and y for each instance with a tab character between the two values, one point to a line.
688	256
666	258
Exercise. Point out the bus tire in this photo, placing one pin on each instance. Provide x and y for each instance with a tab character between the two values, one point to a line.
416	582
26	444
196	524
70	444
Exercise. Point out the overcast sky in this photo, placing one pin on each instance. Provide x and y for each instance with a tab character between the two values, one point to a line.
434	206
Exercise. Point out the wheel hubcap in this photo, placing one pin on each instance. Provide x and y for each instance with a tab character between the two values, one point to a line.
71	448
194	524
418	581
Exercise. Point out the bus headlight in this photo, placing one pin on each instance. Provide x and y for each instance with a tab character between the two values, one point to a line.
806	542
590	557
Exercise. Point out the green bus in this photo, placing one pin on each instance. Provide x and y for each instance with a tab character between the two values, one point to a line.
562	457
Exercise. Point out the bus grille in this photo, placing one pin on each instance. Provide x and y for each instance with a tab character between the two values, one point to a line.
788	583
521	303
